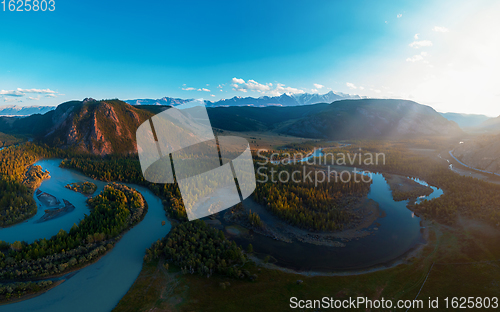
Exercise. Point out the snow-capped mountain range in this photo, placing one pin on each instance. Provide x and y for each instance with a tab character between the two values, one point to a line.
14	110
283	100
162	101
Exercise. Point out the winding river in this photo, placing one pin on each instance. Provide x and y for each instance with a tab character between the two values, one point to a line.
99	286
394	234
476	169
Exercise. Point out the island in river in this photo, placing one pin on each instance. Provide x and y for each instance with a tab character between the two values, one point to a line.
34	176
403	188
85	188
55	208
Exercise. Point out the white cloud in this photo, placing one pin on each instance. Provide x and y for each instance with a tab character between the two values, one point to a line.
350	85
39	91
194	89
220	86
421	43
212	95
468	45
280	89
416	58
11	93
254	85
376	90
440	29
399	15
386	22
314	90
20	92
416	36
361	88
318	86
238	80
251	85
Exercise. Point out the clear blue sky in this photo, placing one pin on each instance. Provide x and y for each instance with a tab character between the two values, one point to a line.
443	54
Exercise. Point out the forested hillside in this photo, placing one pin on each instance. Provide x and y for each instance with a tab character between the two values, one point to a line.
97	127
16	182
198	248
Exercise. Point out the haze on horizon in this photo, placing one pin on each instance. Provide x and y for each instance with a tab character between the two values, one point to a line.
440	54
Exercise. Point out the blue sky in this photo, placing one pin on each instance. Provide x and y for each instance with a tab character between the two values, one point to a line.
443	54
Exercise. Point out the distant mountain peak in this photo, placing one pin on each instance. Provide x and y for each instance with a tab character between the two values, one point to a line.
15	110
467	120
163	101
285	99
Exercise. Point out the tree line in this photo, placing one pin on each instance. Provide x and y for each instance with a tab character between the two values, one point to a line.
310	205
12	290
128	169
198	248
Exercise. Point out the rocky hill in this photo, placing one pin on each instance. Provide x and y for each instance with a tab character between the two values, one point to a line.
98	127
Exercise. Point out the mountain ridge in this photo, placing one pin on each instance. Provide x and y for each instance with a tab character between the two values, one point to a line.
284	99
109	126
492	124
170	101
346	119
466	120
